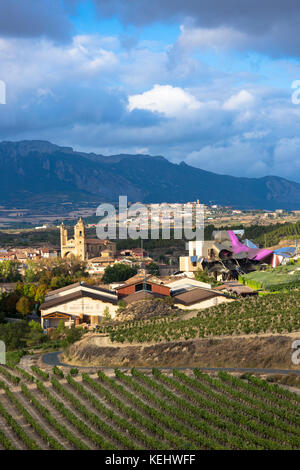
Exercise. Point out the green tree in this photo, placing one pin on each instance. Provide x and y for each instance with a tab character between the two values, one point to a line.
153	268
9	271
35	335
61	327
14	335
55	272
203	276
118	272
31	273
34	325
73	334
106	317
57	282
29	291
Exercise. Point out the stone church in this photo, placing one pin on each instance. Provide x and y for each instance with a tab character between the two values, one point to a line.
82	247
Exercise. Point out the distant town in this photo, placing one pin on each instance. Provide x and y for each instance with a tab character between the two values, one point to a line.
194	275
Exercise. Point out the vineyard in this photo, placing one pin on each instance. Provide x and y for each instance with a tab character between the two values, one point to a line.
271	235
278	313
189	410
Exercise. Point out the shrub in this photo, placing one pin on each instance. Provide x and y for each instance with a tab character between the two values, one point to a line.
73	334
58	372
121	305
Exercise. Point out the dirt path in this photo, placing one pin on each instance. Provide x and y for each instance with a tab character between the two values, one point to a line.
27	361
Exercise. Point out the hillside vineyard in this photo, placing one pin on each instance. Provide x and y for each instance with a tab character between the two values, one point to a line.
135	411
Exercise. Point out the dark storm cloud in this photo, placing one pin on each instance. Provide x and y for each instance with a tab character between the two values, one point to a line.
251	15
269	24
31	18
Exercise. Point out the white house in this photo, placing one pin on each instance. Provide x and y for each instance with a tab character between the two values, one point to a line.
76	304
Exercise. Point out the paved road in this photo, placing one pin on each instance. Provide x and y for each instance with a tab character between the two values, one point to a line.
52	359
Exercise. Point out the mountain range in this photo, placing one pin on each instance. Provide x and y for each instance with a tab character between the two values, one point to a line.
36	173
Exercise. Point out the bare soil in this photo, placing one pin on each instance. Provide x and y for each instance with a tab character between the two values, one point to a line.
268	351
144	309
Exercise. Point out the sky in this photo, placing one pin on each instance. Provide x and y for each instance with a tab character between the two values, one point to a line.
214	84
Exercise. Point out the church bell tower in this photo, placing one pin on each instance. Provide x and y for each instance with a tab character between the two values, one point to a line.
79	238
63	239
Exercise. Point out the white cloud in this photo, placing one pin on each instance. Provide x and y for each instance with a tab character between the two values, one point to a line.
220	38
243	99
33	63
171	101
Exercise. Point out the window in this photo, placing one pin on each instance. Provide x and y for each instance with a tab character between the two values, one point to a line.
143	286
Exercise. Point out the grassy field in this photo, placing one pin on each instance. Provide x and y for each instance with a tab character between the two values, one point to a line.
138	411
273	279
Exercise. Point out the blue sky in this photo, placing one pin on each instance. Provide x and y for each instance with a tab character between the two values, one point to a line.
206	82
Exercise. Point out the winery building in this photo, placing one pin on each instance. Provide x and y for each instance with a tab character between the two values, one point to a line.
76	304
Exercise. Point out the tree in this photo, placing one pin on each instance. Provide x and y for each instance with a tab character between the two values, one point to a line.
34	325
55	272
118	272
203	276
31	273
23	305
35	335
57	282
29	291
106	317
40	293
153	269
8	302
60	327
19	288
13	334
73	334
9	271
